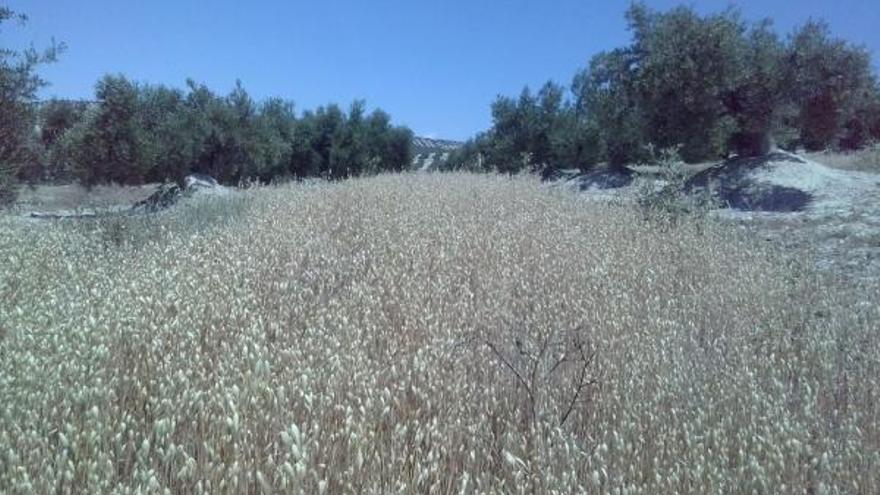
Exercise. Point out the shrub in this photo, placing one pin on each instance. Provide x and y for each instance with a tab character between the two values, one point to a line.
666	201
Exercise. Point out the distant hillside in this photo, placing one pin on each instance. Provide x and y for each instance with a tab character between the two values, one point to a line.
428	152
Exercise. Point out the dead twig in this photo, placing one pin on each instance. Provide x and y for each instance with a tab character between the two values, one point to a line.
582	381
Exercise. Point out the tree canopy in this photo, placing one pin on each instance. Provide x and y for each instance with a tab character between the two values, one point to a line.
19	83
709	85
132	133
136	133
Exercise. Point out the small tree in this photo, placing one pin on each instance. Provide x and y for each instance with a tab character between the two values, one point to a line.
19	84
389	148
56	118
538	132
274	132
327	123
305	160
348	149
168	150
224	127
111	143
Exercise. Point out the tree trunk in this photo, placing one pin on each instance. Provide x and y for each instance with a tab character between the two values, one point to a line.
754	143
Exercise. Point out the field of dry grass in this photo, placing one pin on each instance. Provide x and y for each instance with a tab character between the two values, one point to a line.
865	160
426	334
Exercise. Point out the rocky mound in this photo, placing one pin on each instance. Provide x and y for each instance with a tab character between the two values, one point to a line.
750	183
782	182
595	180
169	194
608	178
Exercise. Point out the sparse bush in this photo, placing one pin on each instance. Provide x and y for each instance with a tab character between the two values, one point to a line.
665	200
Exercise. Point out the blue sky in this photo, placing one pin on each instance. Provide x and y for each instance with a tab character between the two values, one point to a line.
434	66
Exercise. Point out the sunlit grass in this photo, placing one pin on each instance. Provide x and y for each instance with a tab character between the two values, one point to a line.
425	334
864	160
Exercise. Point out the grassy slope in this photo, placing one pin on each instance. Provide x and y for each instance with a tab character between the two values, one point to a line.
437	332
865	160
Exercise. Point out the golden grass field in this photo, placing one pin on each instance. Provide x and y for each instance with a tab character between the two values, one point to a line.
446	333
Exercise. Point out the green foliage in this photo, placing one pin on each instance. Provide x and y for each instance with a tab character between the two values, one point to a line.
348	149
144	133
469	156
686	65
274	131
388	147
165	138
832	85
716	84
706	85
756	102
665	202
606	97
56	117
18	87
232	146
332	144
8	183
110	144
536	132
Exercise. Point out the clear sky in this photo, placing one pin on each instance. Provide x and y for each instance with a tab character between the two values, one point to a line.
433	65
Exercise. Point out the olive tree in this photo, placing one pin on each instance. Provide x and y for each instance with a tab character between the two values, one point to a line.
19	84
